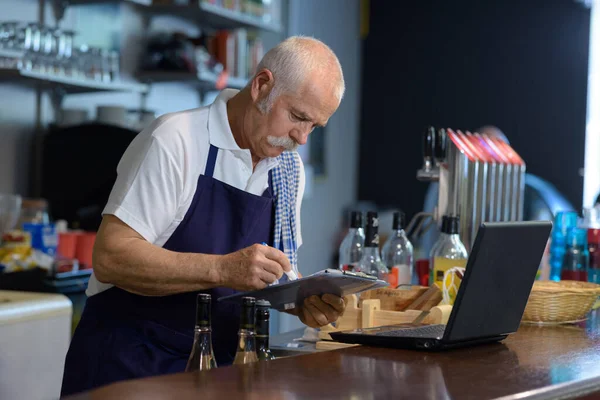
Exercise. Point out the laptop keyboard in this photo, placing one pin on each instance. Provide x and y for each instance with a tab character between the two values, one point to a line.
426	331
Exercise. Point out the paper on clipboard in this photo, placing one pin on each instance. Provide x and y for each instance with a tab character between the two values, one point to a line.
289	295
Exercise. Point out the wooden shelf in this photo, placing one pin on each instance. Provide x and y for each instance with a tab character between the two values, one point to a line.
68	85
204	79
208	15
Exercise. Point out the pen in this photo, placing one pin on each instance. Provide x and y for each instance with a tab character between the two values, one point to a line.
291	274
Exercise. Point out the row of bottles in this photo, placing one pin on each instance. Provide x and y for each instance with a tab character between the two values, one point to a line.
359	251
253	334
574	246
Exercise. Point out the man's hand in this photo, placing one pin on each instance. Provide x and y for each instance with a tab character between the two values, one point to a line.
320	311
252	268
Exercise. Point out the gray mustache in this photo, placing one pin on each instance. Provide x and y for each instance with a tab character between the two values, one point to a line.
284	142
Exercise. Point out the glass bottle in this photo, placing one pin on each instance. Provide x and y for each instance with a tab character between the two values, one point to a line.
263	352
576	260
202	356
448	252
371	263
246	350
563	221
351	248
397	254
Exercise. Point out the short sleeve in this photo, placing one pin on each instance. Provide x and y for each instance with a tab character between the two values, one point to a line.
148	188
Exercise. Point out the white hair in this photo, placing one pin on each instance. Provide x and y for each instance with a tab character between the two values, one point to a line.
291	61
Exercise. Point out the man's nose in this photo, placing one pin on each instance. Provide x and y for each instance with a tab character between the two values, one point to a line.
300	135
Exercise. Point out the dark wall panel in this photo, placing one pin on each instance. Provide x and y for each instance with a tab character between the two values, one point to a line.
519	65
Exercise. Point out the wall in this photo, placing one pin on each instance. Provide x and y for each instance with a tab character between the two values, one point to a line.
336	22
521	66
16	123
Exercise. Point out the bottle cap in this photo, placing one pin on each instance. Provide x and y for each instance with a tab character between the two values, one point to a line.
356	219
372	218
262	304
450	224
203	310
399	220
248	301
371	234
577	237
203	298
565	220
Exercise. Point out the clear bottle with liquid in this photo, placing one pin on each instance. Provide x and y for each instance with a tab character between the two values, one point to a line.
448	252
202	356
397	254
351	248
246	350
371	263
262	331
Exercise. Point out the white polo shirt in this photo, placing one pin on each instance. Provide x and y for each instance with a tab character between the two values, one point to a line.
158	173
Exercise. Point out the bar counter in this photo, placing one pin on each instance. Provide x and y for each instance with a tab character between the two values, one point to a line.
535	363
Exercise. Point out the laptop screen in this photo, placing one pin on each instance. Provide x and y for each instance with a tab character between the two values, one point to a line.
498	278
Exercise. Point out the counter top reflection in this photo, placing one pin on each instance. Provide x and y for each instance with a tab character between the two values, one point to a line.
535	363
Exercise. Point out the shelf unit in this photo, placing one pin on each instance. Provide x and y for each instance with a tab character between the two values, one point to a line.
66	84
205	14
204	80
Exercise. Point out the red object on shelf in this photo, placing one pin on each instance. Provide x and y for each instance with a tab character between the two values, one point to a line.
67	244
85	247
422	269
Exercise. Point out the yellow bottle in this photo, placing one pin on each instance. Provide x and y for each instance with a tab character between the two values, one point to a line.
448	252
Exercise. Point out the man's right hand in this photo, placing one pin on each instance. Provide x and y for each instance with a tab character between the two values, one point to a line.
252	268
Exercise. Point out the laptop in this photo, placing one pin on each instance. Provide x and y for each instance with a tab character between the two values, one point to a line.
491	299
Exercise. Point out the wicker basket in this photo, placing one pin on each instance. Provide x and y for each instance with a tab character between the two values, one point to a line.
560	302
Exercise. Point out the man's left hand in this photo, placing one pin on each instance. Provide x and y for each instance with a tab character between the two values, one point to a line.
320	311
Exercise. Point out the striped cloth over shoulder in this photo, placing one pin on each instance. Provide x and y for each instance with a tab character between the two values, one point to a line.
286	180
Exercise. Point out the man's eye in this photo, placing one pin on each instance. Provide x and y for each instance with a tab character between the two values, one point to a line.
295	117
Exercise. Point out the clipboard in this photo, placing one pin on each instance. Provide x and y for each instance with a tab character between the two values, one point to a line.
289	295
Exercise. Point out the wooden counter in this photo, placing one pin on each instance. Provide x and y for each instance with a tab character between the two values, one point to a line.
535	363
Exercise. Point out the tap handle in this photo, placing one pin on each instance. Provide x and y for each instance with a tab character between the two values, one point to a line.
428	139
439	148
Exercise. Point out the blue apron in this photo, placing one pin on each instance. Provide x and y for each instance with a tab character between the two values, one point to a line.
122	335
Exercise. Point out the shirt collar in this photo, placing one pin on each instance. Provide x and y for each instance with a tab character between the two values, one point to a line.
219	131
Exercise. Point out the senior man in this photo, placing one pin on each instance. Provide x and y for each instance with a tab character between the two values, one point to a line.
197	193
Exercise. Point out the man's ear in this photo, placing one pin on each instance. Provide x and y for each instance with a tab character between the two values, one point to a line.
261	85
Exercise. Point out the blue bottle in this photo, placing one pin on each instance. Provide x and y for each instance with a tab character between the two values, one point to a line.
563	221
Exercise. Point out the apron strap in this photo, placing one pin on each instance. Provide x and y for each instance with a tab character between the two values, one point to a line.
211	161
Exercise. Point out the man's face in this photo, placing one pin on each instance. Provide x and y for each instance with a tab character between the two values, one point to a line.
291	118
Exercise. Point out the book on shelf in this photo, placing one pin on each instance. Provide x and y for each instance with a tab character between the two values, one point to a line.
239	51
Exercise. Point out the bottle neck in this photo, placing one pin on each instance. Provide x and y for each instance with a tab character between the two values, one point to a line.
262	325
450	236
355	231
247	341
202	340
371	252
262	342
247	319
400	233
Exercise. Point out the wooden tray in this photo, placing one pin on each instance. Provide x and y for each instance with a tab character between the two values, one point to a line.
371	315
